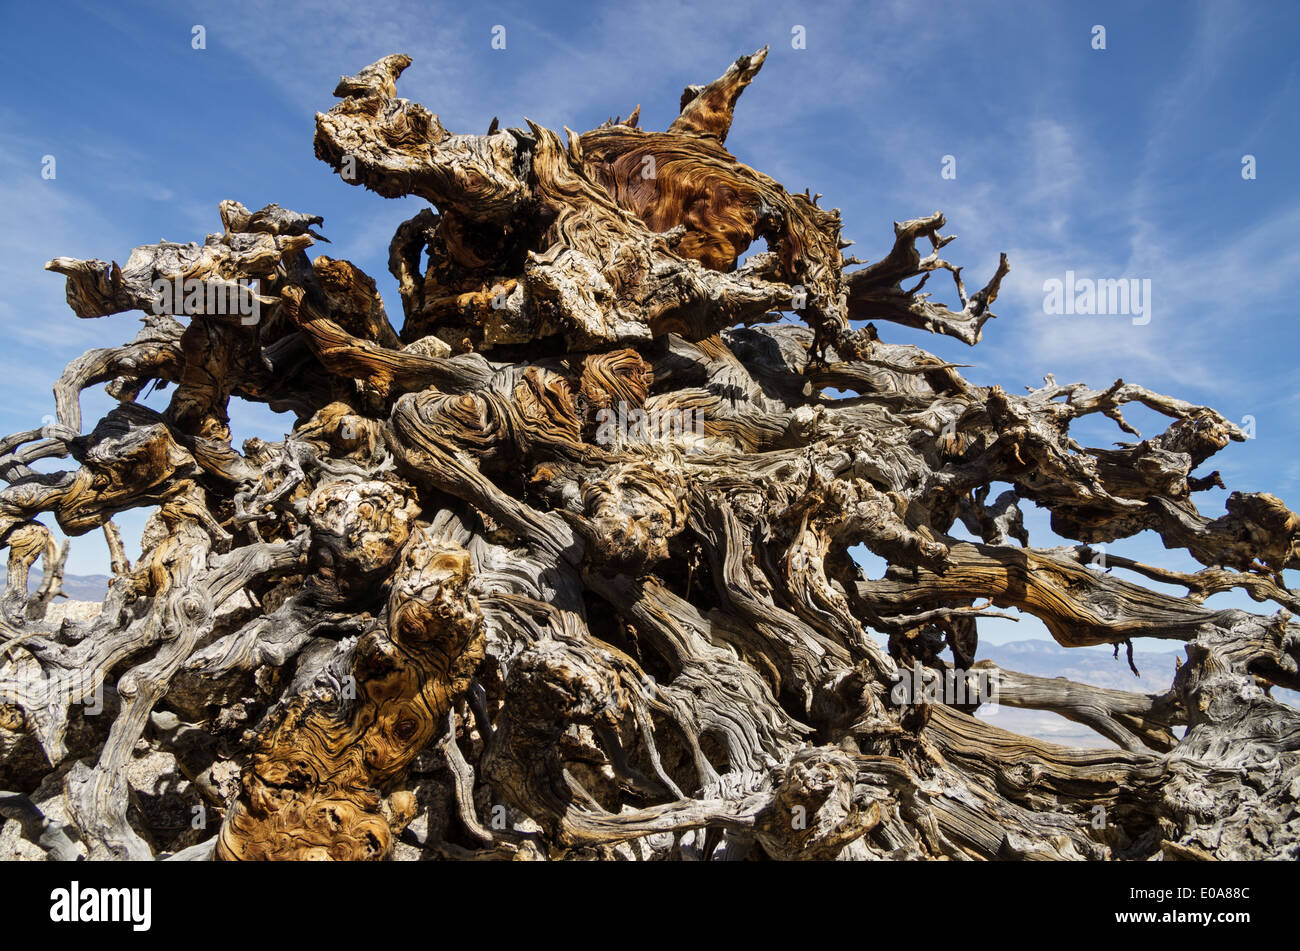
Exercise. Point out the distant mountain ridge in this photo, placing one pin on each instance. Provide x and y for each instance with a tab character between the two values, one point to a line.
1090	665
76	587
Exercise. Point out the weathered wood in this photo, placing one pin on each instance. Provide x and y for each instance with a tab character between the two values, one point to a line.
560	566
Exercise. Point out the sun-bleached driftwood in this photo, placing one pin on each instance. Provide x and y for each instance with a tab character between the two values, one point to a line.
559	567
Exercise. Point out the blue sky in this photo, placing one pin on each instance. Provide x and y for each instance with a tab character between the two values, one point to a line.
1116	163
